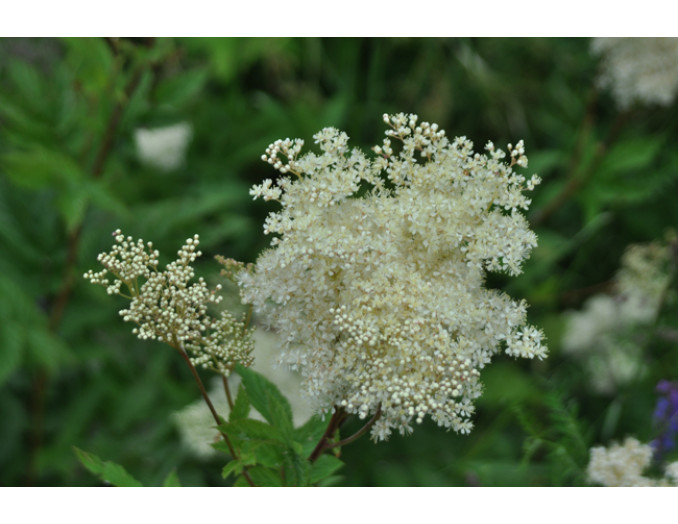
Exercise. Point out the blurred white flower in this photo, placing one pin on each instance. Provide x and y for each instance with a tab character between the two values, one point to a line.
639	69
623	466
163	148
601	334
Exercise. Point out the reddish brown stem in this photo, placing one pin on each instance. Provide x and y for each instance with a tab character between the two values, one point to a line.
213	411
338	417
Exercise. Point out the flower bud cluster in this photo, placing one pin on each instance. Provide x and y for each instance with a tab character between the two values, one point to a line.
374	279
166	307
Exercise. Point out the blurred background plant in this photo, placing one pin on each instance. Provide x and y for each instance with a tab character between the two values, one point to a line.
163	137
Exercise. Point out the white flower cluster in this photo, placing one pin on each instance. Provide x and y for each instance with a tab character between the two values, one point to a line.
195	422
167	308
163	148
623	466
600	335
375	278
639	69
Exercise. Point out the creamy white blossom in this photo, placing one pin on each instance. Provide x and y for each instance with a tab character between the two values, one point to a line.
167	307
624	465
639	69
163	148
375	276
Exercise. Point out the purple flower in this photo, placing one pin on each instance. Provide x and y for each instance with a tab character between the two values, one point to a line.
665	419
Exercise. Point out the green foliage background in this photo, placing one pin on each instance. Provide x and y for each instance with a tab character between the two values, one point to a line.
71	373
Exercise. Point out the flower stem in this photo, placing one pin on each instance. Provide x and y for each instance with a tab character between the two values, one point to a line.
227	390
215	415
358	433
338	417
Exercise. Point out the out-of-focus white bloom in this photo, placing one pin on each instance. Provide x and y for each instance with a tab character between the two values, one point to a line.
195	422
639	69
196	425
623	465
378	296
164	147
600	335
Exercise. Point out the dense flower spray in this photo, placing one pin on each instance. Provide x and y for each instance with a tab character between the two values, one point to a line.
375	275
167	307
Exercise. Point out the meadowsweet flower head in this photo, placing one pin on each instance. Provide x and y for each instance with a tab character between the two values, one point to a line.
623	466
375	275
163	148
167	307
639	69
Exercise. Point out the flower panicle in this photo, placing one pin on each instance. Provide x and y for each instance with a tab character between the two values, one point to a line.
168	307
375	275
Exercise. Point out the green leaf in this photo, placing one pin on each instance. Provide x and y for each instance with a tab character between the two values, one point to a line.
172	480
39	167
11	346
177	91
265	477
241	406
628	155
266	453
297	469
45	349
241	482
252	429
107	471
236	467
310	433
267	400
325	466
91	60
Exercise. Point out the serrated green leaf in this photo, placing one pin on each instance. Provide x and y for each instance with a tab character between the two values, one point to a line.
267	453
241	482
172	480
268	400
324	467
107	471
297	469
241	406
265	477
233	467
252	429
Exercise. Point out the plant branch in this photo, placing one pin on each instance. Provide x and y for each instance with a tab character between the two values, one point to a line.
213	411
227	390
338	417
358	433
